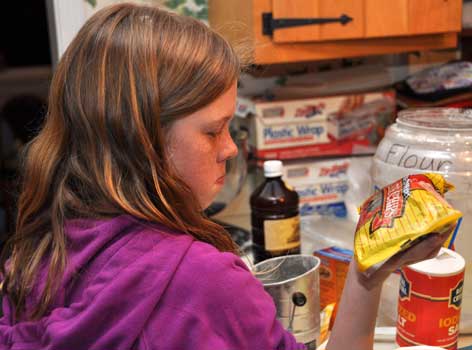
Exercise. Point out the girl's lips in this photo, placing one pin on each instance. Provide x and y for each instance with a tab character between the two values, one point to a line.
221	180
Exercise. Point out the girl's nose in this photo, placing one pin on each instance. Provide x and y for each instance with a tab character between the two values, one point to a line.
229	149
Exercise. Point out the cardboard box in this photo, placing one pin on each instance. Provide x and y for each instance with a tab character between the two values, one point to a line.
321	185
321	126
333	272
284	124
362	121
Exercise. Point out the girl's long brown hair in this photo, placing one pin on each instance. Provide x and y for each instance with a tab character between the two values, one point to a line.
129	72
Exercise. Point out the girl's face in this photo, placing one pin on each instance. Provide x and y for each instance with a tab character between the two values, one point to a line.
200	144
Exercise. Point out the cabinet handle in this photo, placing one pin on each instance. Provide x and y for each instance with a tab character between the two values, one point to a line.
269	24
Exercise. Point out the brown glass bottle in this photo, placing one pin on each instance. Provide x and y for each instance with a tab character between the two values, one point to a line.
275	218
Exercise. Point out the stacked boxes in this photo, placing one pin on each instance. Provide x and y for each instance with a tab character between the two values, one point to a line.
299	130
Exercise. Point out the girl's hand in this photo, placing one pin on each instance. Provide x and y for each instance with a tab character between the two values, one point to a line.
426	248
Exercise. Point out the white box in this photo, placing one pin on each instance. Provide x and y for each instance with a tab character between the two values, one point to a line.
321	185
284	123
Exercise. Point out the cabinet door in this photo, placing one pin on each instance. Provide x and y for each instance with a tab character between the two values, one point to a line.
334	9
386	18
318	9
434	16
371	18
296	9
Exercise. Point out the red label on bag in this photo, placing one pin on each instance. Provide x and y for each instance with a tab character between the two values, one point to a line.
429	308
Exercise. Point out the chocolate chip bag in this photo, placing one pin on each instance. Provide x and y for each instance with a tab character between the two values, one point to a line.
394	217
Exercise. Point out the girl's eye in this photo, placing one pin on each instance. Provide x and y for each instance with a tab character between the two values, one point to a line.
213	134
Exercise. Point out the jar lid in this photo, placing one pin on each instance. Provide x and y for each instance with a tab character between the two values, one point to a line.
437	119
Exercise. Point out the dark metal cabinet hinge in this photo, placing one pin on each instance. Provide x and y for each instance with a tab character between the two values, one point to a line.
269	24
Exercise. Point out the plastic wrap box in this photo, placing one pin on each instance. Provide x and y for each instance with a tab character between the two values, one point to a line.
320	126
321	185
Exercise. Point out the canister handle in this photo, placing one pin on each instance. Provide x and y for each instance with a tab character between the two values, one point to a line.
298	299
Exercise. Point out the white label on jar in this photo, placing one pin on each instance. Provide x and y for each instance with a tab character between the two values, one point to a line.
283	234
403	156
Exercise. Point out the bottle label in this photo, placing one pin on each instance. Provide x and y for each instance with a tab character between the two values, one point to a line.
283	234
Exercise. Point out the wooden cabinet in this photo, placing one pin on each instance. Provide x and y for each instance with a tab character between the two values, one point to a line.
351	27
412	17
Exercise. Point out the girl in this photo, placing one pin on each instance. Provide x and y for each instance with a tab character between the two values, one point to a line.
111	249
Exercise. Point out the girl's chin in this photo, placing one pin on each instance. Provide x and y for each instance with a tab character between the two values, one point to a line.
207	203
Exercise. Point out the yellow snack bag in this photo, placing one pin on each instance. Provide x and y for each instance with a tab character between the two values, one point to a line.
394	217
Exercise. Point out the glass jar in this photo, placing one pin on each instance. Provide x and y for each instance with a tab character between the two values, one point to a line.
434	140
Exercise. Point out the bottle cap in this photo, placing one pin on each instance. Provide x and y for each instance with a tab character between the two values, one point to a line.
272	168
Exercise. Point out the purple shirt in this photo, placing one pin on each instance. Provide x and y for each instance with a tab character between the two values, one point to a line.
131	285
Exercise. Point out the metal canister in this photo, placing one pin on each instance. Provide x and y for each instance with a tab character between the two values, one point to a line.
293	283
